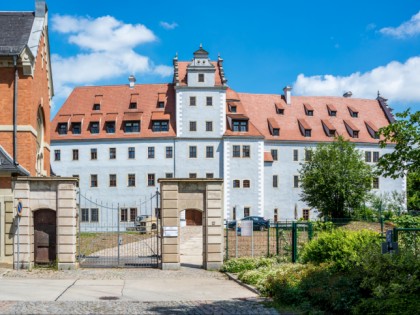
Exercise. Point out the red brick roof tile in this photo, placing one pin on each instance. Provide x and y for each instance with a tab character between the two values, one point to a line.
268	157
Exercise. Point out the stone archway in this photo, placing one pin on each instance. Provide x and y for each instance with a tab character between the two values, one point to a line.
204	195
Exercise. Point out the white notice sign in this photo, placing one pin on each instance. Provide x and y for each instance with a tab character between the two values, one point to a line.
246	228
170	231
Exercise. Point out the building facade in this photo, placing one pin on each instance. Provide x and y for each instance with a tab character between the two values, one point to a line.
118	140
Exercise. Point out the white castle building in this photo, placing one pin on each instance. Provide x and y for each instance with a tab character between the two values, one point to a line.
119	140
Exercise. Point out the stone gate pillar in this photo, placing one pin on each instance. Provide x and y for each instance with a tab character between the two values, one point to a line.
202	194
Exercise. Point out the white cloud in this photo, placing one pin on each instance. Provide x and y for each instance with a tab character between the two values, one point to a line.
396	81
406	29
168	26
106	50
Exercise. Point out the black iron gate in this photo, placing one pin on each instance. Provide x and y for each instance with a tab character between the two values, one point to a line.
112	235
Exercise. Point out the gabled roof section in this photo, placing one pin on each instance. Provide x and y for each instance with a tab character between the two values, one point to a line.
7	165
304	124
351	125
268	157
15	30
182	73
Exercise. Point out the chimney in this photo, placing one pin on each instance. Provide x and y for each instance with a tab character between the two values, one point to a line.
40	8
132	80
288	94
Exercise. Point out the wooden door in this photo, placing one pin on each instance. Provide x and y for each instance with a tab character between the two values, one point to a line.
193	217
45	235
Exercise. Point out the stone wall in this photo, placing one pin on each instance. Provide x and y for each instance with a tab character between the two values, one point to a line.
36	193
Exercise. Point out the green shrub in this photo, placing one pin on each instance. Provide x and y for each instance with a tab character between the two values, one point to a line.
257	277
247	263
341	248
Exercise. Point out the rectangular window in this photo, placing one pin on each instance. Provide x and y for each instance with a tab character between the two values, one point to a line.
161	104
375	183
133	105
131	180
308	155
75	154
76	128
192	101
93	180
131	153
96	106
236	151
209	175
193	152
307	132
333	113
94	127
236	183
201	77
124	214
209	152
150	179
131	126
295	155
246	151
209	101
112	180
246	183
368	156
94	215
275	181
78	180
169	152
295	181
276	132
232	108
133	214
234	213
62	128
310	113
247	211
110	127
355	134
354	114
151	152
280	111
193	126
305	214
240	125
274	154
209	126
93	154
85	215
112	153
57	155
160	126
169	175
192	175
375	157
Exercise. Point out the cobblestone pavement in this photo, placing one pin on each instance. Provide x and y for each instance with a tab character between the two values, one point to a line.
119	307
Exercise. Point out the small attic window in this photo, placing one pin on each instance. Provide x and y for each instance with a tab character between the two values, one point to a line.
201	77
232	108
309	111
353	112
132	105
276	131
355	134
161	105
332	111
62	128
307	132
280	111
96	106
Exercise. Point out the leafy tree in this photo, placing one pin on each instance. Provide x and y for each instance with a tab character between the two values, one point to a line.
405	134
413	190
336	179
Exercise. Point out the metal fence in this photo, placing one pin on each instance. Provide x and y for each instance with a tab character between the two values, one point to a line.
283	239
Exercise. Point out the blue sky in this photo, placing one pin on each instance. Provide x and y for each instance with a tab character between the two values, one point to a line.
318	47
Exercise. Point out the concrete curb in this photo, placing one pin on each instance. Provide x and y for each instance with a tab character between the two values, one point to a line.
233	277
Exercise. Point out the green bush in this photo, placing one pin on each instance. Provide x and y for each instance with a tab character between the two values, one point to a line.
258	277
391	283
247	263
341	248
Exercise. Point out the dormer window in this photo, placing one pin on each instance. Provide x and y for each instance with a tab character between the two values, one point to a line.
309	111
62	128
160	126
161	104
305	128
94	127
332	111
274	127
279	108
328	128
110	127
131	126
353	112
232	108
201	77
240	125
351	129
132	105
133	101
76	128
161	100
372	129
96	107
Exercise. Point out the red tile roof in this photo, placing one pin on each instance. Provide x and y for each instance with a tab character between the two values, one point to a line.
328	124
372	125
76	118
160	116
115	100
268	157
273	123
182	73
304	124
351	125
308	106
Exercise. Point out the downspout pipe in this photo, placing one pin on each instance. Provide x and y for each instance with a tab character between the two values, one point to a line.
15	100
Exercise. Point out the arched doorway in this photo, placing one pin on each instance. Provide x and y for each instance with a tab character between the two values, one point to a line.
193	217
45	235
